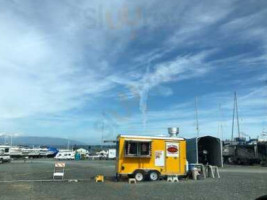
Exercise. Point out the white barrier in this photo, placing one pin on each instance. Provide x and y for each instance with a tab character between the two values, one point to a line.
59	170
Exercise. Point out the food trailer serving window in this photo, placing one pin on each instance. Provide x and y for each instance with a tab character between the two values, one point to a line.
136	148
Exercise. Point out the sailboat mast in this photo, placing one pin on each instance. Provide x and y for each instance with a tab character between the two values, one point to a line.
237	118
11	140
68	145
233	122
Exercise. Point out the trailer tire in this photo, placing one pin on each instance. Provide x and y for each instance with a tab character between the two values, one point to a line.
139	175
153	175
118	177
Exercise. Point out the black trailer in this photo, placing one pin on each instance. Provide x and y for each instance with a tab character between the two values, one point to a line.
205	150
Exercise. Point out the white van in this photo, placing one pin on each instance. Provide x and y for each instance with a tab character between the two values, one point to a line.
66	155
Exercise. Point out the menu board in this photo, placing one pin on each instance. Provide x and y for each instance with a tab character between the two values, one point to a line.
159	159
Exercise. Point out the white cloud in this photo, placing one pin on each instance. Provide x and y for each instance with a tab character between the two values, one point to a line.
57	56
40	72
181	68
252	116
197	20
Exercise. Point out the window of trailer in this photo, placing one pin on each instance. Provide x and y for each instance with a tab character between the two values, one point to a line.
137	149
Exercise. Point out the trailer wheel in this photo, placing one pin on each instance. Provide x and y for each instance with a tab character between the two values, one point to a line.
118	177
139	175
153	175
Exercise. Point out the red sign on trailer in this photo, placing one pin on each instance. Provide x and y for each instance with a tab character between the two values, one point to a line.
172	149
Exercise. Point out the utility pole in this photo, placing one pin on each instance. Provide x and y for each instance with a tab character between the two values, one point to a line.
197	125
220	124
197	129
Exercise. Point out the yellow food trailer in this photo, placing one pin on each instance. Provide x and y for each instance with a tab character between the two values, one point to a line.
149	156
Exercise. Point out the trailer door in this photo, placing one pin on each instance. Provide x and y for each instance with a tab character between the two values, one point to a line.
172	158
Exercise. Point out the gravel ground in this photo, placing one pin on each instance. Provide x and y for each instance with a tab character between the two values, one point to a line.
236	183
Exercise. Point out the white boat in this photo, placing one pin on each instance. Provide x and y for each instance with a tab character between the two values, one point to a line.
30	152
65	155
4	153
15	151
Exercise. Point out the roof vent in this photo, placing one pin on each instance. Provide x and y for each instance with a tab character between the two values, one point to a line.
173	131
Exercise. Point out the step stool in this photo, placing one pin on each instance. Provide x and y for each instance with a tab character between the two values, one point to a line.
216	169
169	178
99	178
132	180
172	179
212	171
175	179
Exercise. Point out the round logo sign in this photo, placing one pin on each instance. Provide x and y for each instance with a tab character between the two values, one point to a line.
172	149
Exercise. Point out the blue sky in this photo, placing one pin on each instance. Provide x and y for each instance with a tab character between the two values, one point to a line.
75	69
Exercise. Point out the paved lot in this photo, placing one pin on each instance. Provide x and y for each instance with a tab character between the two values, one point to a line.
236	183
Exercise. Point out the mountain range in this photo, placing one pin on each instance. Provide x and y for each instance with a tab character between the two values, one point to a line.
42	141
